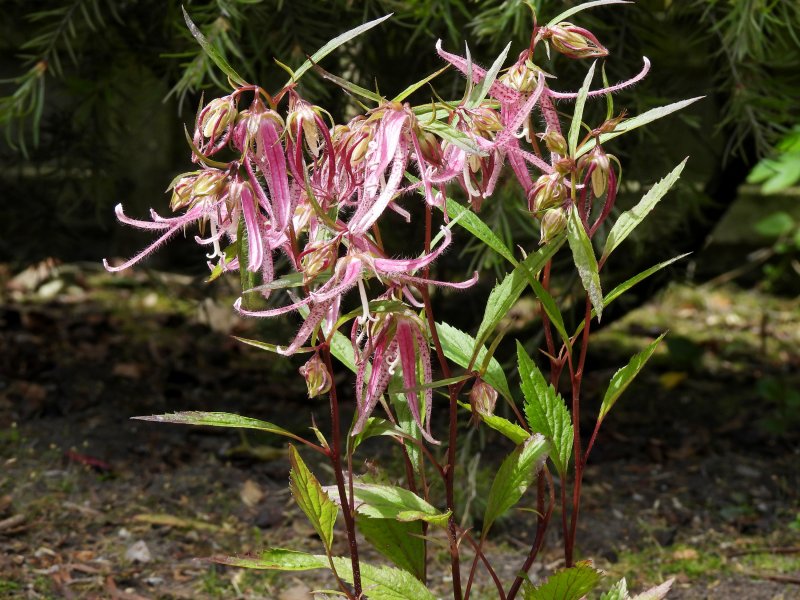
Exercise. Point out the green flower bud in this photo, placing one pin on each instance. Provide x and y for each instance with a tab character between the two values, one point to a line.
555	142
554	221
318	380
219	113
548	192
482	400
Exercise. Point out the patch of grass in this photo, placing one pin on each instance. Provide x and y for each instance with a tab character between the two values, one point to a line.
7	586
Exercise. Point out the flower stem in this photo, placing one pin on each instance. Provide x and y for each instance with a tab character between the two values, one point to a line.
336	462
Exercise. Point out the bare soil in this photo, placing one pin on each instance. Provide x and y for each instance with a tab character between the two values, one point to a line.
695	476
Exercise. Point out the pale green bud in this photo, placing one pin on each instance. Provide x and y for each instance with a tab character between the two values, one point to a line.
554	221
318	380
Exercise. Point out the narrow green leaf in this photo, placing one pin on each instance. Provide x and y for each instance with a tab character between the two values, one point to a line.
550	308
623	378
415	86
458	347
212	52
348	85
634	122
407	424
473	223
311	498
401	543
630	219
453	136
392	502
506	293
485	85
218	419
515	475
546	411
576	9
251	300
277	559
568	584
335	43
628	284
585	261
267	346
577	116
511	430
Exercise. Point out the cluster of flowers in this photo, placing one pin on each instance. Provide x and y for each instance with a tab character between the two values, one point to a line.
315	191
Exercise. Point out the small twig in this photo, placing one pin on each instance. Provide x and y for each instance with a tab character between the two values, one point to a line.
793	579
745	552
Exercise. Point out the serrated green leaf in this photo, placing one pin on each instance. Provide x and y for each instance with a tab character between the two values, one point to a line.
453	136
506	293
214	54
311	498
628	284
619	591
392	502
577	117
585	260
568	584
515	475
458	347
385	583
401	543
511	430
482	90
473	223
334	44
576	9
546	411
623	378
630	219
635	122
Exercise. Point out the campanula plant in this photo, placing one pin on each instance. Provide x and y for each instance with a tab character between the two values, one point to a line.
276	176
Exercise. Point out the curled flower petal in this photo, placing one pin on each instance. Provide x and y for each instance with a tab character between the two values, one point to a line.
614	88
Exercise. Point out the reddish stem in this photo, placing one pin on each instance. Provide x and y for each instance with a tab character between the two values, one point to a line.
336	461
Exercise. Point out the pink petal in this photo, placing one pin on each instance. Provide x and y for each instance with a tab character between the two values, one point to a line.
614	88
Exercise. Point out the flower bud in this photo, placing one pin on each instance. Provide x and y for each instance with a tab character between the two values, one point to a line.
315	259
521	77
482	400
555	142
549	191
574	42
602	165
429	145
219	113
304	113
554	221
318	380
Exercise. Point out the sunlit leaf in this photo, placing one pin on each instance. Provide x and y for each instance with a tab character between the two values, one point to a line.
334	44
218	419
634	122
311	498
212	52
623	378
518	471
511	430
473	223
458	347
568	584
585	261
482	90
545	410
400	542
630	219
392	502
453	136
577	117
619	591
657	593
415	86
508	291
576	9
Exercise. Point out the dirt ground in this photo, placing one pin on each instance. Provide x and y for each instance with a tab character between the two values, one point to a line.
695	476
